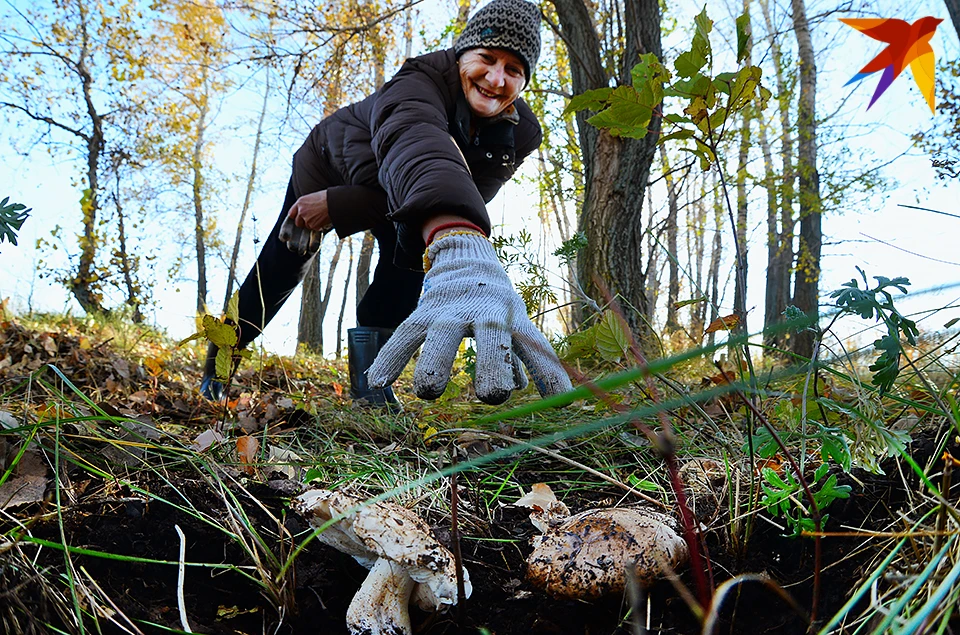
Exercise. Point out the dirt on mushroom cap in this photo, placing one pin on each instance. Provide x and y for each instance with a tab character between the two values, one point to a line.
588	555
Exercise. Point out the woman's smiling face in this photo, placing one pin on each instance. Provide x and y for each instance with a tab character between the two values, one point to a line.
491	80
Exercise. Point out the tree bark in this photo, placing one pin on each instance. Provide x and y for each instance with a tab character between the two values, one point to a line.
310	330
84	284
343	303
740	233
196	164
123	257
616	169
775	272
805	293
713	282
251	181
780	263
310	325
363	265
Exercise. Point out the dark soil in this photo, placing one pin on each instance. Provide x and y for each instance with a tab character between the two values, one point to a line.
109	518
502	602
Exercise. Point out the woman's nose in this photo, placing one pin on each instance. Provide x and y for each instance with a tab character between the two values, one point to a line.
495	76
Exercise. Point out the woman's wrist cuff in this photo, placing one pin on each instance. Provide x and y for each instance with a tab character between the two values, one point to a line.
454	225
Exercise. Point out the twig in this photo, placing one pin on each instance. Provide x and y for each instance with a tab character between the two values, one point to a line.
181	574
455	540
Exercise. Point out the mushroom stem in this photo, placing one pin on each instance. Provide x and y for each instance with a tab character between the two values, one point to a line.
381	606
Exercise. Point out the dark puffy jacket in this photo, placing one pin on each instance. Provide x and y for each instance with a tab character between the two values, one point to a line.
406	153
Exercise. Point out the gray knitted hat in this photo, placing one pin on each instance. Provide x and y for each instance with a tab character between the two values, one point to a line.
513	25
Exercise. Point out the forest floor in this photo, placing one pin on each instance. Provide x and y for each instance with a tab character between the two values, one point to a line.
140	457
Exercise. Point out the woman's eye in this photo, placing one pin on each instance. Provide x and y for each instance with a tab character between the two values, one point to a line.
487	58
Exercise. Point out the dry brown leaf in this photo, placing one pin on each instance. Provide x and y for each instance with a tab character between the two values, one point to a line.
724	323
247	449
206	439
28	482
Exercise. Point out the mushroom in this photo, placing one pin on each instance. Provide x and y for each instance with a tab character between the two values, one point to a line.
587	556
397	547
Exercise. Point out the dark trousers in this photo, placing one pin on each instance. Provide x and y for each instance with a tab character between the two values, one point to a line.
390	299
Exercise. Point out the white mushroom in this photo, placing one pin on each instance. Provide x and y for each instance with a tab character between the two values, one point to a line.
587	556
547	510
397	547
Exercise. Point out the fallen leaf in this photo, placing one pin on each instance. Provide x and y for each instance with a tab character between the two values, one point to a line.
154	366
338	389
284	461
725	323
28	481
206	439
247	449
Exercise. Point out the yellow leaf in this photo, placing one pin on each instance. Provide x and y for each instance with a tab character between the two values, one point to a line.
429	432
724	323
223	335
233	307
224	365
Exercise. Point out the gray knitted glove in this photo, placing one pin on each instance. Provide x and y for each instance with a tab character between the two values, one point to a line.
467	293
299	240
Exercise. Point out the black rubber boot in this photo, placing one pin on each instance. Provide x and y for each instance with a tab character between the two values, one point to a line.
209	386
363	344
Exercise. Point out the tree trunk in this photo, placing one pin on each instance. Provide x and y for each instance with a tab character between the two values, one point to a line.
310	331
953	7
740	233
126	267
310	326
713	282
343	303
696	248
463	14
775	274
197	168
363	265
85	282
805	293
673	291
251	181
652	292
778	268
616	169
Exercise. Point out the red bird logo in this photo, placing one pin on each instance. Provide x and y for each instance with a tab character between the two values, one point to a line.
906	44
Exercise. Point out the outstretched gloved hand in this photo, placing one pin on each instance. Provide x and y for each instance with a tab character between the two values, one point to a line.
466	293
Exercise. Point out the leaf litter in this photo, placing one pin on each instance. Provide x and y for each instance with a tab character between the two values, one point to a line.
142	415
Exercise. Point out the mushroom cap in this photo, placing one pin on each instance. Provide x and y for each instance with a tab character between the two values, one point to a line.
587	556
370	531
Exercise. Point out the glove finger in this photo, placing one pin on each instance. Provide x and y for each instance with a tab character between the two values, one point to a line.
436	359
395	354
520	380
540	359
287	229
303	242
495	378
315	238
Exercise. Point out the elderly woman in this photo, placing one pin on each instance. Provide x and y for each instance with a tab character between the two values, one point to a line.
416	162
